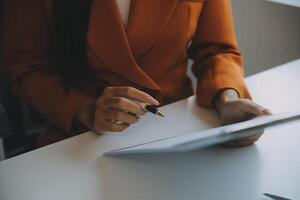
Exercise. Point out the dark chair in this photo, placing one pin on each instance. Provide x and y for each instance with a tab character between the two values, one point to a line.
22	124
5	129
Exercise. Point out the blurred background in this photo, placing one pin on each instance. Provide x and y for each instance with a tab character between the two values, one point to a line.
268	35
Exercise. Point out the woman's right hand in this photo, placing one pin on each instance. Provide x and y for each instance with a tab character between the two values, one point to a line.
115	109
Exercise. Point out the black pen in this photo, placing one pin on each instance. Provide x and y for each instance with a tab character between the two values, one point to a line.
153	110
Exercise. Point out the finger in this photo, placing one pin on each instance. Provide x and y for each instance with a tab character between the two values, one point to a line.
267	112
251	108
264	110
234	118
104	126
116	127
124	104
134	94
244	141
117	115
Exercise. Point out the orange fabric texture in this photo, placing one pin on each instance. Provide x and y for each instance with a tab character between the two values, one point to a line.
150	54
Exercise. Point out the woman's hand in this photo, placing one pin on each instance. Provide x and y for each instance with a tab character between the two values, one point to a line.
233	109
115	110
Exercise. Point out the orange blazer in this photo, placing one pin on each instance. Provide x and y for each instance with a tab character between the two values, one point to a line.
151	54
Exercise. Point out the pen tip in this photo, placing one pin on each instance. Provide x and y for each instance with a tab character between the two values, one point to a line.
160	114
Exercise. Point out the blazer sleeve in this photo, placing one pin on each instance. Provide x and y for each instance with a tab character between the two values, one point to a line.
26	44
218	64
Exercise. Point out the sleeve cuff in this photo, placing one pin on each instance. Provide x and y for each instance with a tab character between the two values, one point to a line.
229	75
63	113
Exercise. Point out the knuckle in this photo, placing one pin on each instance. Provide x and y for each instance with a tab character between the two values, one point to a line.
120	101
111	115
107	90
118	115
128	90
140	109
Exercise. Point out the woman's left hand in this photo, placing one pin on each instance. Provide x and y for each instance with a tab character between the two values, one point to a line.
233	109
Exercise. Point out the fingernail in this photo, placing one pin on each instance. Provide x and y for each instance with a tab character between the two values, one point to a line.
144	109
156	102
266	111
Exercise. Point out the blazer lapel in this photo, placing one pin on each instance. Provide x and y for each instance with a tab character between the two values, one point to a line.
119	50
147	20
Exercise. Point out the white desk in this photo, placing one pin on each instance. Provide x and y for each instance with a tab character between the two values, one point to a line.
75	170
295	3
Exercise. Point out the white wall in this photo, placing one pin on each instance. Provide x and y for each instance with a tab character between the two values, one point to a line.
268	33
